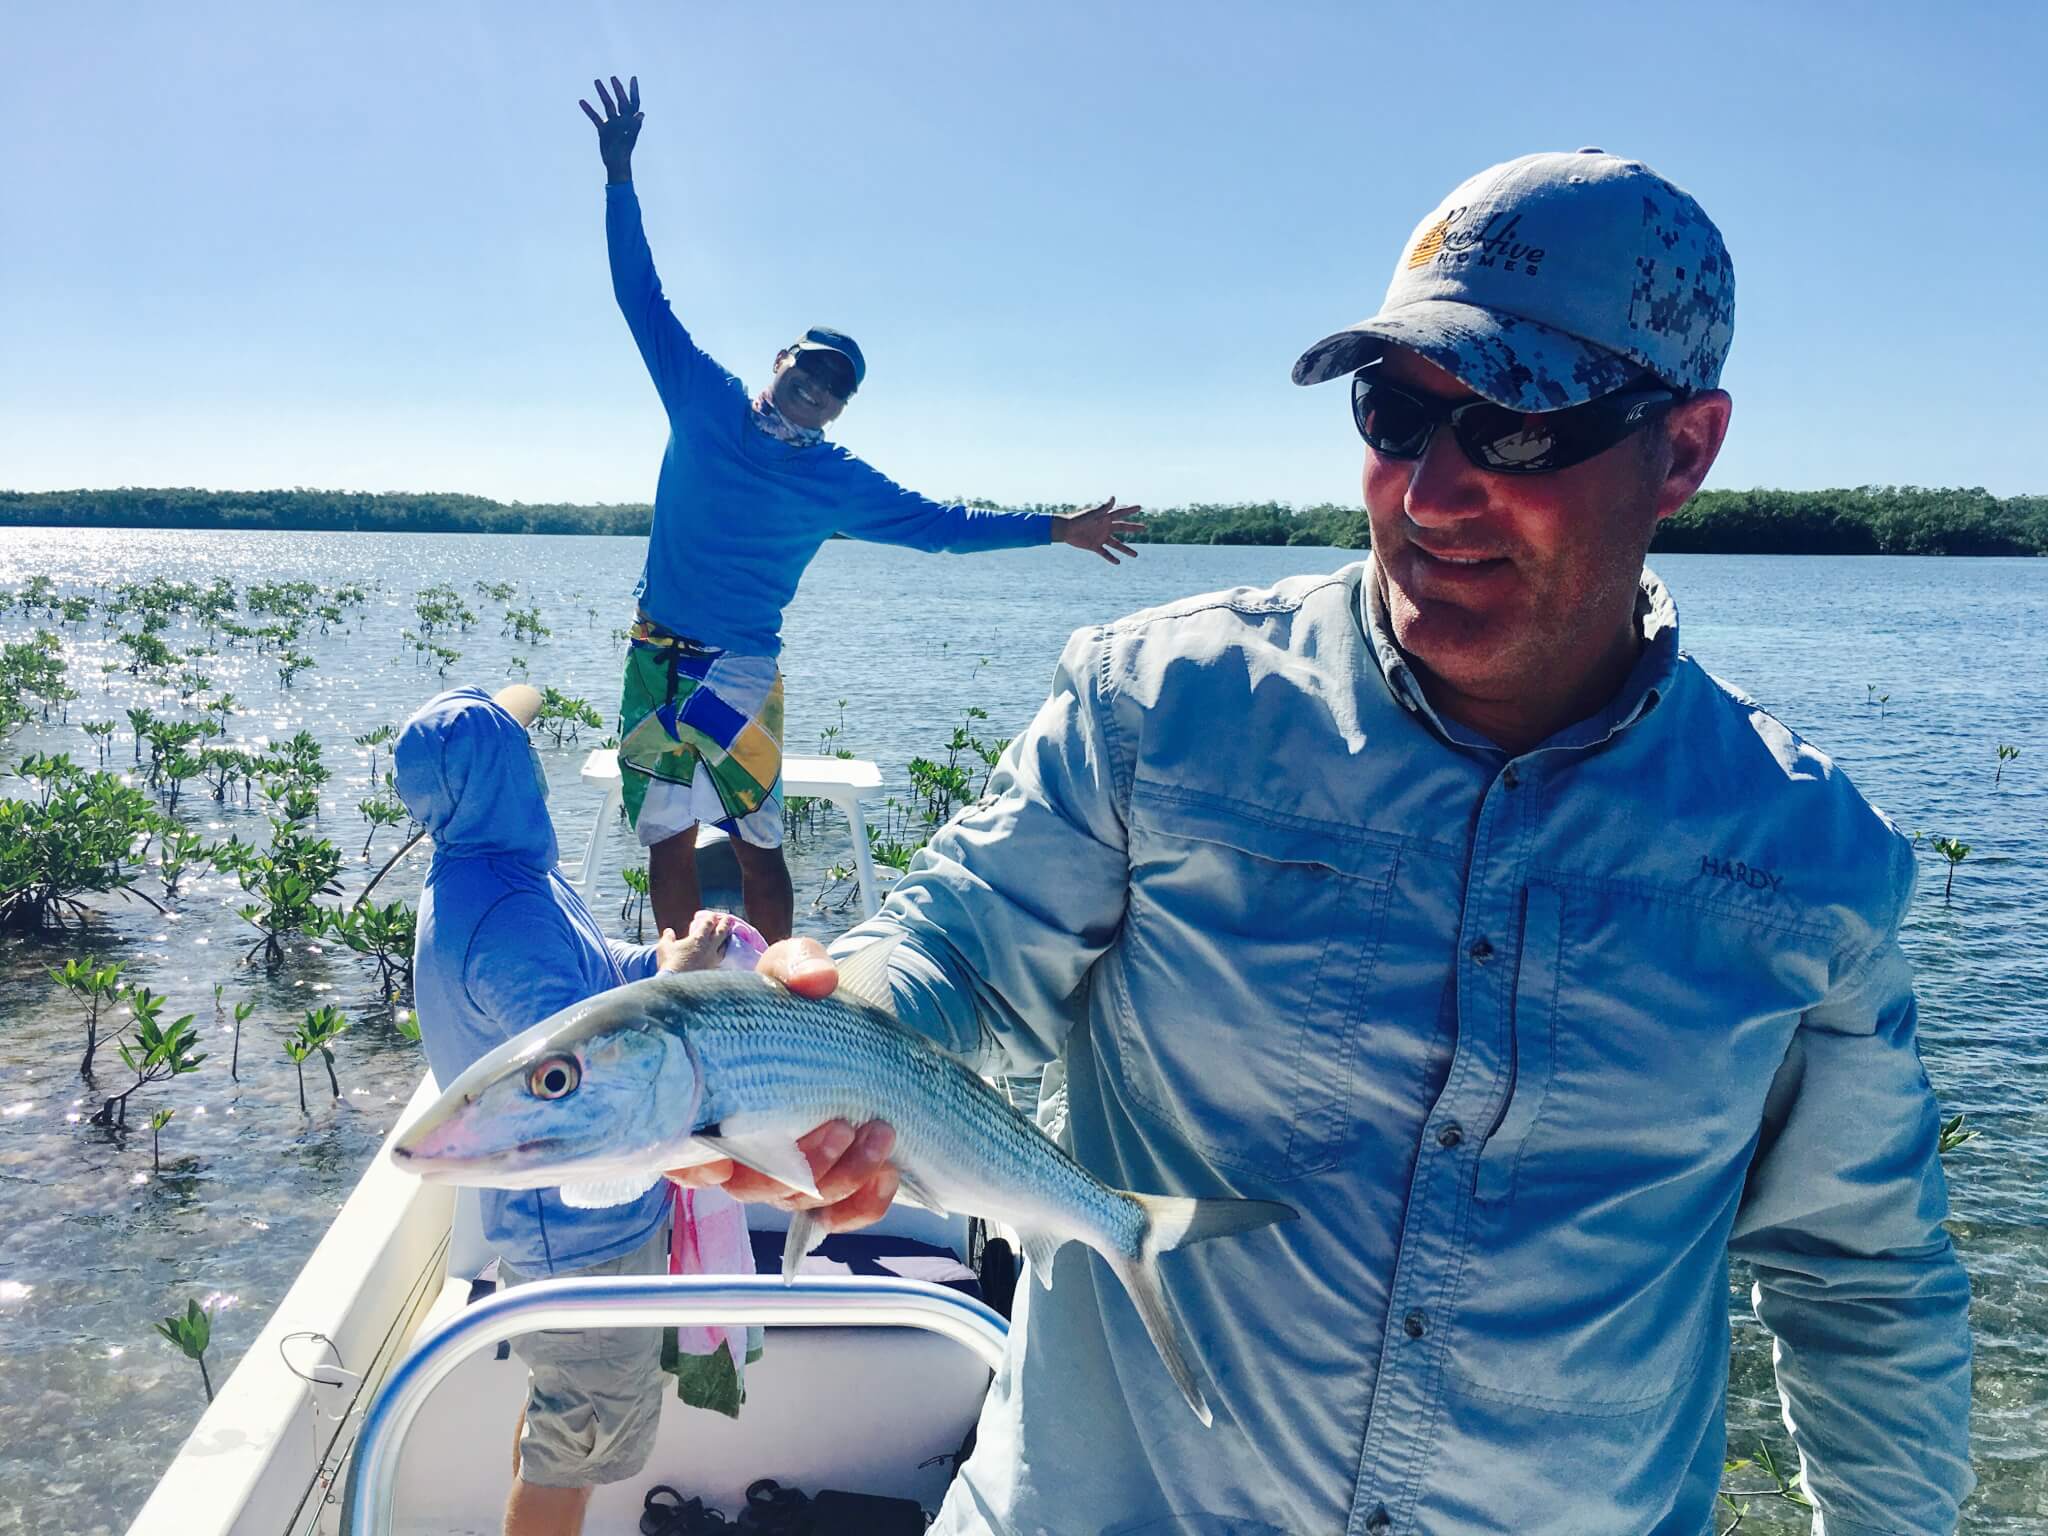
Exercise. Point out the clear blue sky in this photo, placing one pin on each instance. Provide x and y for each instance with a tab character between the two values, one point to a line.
360	245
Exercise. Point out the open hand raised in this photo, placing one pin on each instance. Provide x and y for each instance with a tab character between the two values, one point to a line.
619	126
1100	528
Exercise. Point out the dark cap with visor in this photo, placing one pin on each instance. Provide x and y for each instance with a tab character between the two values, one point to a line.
821	338
1551	280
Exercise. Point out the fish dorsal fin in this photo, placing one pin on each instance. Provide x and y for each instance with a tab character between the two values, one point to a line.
802	1238
1039	1249
915	1190
864	977
774	1153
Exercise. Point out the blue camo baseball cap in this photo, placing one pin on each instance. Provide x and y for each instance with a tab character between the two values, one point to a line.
821	338
1551	280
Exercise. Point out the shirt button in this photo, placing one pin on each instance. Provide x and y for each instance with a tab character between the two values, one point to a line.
1415	1325
1482	951
1379	1519
1509	777
1450	1135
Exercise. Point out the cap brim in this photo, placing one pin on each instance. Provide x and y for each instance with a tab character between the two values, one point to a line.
519	700
1512	362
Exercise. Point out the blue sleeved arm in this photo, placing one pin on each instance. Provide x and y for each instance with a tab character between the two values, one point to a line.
1855	1277
876	508
636	962
680	369
521	964
1005	910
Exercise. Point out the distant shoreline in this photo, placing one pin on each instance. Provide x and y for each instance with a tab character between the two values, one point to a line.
1869	520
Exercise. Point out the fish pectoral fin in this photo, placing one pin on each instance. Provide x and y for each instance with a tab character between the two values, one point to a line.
596	1194
802	1238
909	1186
774	1154
864	977
1041	1248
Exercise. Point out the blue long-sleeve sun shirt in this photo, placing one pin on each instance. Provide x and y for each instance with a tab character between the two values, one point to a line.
738	514
502	942
1531	1041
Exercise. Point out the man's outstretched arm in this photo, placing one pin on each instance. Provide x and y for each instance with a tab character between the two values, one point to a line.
678	368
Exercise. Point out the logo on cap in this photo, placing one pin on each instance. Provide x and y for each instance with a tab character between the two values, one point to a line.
1432	241
1486	246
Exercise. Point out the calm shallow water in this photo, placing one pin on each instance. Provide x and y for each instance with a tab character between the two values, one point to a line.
97	1247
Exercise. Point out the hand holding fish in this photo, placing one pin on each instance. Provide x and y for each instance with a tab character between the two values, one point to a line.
856	1182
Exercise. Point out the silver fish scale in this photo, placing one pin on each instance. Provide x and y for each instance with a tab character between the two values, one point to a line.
803	1061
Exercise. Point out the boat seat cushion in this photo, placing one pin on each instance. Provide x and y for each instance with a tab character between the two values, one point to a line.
871	1253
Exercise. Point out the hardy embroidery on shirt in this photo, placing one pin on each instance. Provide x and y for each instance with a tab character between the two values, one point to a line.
1740	874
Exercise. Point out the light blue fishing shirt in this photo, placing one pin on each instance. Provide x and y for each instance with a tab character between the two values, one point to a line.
738	513
503	941
1531	1042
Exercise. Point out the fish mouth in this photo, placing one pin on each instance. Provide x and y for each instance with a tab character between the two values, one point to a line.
427	1152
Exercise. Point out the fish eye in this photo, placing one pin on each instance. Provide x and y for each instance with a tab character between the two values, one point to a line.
554	1077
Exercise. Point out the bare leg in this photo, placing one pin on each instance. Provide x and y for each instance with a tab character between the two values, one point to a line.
672	881
765	890
536	1510
533	1510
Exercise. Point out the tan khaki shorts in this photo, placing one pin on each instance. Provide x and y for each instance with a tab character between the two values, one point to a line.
594	1394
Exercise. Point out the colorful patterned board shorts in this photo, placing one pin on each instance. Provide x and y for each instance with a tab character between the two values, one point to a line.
700	739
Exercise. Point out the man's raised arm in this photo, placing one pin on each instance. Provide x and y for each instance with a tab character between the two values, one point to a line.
679	369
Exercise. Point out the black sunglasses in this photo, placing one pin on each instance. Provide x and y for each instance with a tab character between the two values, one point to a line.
1399	423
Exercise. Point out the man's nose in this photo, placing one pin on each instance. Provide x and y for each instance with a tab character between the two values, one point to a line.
1444	487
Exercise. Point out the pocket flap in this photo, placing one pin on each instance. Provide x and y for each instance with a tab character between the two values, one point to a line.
1263	833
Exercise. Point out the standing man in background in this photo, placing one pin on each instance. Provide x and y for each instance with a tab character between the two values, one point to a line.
749	491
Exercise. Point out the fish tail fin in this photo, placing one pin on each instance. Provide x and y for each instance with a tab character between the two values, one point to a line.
1174	1221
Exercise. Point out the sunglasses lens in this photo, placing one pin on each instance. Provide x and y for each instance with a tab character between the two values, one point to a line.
1513	442
1395	424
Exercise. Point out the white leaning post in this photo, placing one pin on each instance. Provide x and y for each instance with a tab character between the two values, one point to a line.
641	1301
845	781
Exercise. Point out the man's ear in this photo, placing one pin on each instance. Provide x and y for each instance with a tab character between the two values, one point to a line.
1693	433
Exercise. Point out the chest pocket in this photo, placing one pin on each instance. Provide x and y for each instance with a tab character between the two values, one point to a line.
1239	981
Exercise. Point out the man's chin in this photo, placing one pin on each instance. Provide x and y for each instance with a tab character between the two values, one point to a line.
1454	644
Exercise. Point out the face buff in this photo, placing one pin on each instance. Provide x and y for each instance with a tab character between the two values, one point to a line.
781	428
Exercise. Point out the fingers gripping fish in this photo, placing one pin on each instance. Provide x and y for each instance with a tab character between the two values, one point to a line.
605	1096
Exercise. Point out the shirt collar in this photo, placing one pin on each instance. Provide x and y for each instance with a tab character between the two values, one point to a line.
1648	680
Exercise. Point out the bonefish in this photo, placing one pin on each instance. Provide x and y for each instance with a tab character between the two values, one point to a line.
608	1094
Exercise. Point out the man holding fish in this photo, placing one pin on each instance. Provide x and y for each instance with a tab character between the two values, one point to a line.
1435	954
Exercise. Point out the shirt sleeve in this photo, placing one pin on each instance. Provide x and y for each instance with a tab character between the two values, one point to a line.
874	507
1855	1277
521	964
1003	913
681	371
636	962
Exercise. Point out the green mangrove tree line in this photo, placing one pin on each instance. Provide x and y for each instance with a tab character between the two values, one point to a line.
1867	520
